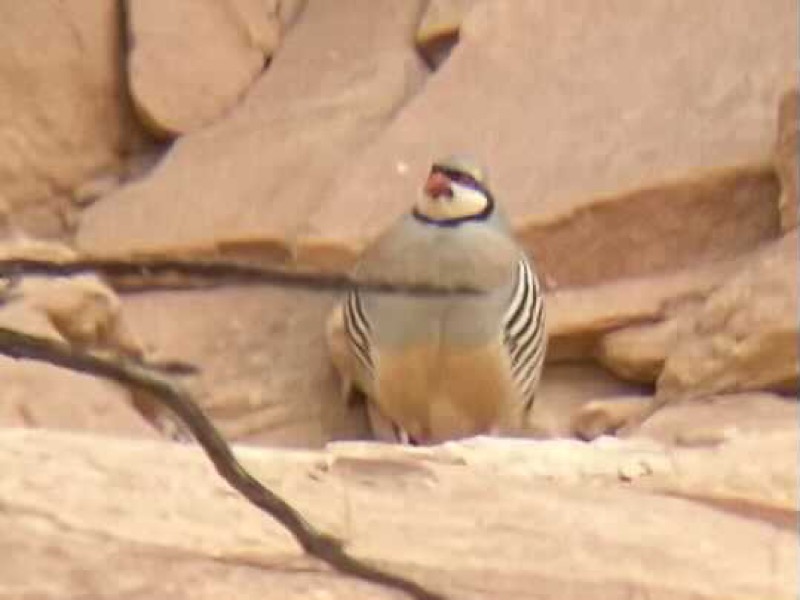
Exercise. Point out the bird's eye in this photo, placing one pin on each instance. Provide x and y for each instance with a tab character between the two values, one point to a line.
462	178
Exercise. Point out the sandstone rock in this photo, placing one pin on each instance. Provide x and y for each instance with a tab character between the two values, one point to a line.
19	246
714	475
566	388
53	218
638	352
7	228
579	318
43	396
599	172
191	61
63	117
786	157
753	474
83	310
243	186
651	232
36	394
265	376
438	30
77	504
745	335
92	190
711	421
608	416
290	10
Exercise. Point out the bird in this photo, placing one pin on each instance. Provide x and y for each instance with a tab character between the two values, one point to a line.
434	368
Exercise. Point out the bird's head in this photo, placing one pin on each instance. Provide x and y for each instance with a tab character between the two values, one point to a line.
454	192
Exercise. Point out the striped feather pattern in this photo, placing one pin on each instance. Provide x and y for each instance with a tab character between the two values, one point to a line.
357	330
524	332
522	326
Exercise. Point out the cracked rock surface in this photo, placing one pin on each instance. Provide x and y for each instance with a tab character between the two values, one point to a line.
95	517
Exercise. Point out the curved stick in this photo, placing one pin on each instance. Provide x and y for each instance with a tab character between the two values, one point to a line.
133	373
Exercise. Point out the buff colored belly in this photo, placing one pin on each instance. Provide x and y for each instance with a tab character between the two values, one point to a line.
437	396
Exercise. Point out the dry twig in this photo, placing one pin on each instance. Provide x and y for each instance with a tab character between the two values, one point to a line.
132	373
140	273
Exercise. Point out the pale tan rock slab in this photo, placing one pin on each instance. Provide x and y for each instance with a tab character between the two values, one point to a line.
608	416
638	352
80	504
578	318
744	337
63	115
786	157
192	61
290	10
442	17
39	395
712	421
264	374
42	396
568	387
598	169
83	312
438	28
244	186
82	309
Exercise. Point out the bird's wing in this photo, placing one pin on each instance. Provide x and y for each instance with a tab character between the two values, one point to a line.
524	331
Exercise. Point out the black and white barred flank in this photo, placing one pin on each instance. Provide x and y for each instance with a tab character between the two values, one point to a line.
524	332
357	329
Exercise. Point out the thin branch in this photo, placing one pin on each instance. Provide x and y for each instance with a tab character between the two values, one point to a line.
320	545
163	273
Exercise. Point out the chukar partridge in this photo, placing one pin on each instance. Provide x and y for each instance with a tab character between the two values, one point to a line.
435	368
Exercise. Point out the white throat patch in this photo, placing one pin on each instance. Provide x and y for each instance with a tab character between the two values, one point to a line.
466	202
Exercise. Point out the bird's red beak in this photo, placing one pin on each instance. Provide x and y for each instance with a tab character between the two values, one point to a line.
438	185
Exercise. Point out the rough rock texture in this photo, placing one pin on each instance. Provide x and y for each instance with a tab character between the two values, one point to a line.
566	388
707	421
745	336
638	352
38	395
191	61
601	170
609	416
711	158
578	318
290	10
651	234
243	186
564	526
33	394
23	247
786	157
264	373
63	115
711	421
82	309
438	29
